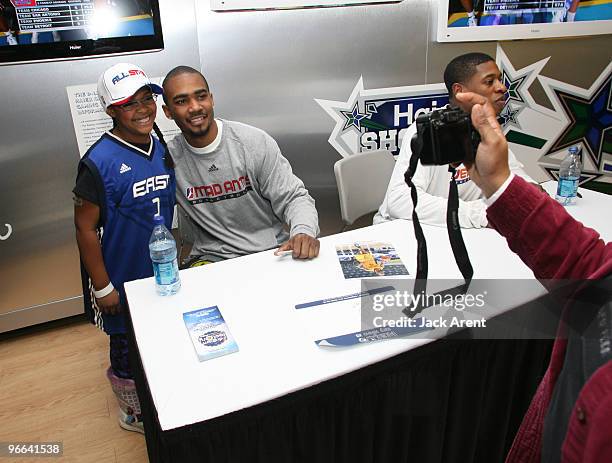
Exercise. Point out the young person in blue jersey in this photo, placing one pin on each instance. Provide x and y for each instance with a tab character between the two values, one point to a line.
471	72
232	180
124	180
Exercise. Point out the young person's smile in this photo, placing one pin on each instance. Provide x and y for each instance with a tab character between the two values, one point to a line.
134	119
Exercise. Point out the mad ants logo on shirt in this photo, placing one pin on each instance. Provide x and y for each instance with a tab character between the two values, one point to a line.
218	191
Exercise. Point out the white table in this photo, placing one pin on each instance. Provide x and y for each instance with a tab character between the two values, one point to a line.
594	209
256	295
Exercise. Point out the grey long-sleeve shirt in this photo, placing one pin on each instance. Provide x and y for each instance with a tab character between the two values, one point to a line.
239	192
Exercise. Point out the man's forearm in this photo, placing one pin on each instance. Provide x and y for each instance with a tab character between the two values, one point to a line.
302	216
533	223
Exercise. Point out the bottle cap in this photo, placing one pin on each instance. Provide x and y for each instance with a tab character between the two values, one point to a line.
158	220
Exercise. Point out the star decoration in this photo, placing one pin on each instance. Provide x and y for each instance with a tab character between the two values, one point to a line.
513	86
518	81
590	121
353	118
509	116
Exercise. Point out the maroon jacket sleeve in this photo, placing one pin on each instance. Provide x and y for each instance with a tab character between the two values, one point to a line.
552	243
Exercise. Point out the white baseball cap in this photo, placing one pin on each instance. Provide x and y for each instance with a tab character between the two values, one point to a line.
120	82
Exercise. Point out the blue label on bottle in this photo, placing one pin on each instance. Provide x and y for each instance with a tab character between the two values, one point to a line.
567	187
166	273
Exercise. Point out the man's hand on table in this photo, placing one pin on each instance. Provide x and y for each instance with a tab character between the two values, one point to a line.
303	246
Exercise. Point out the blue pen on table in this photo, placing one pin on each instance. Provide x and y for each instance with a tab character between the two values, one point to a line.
345	297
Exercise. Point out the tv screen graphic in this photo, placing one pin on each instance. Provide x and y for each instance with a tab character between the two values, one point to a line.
473	20
32	30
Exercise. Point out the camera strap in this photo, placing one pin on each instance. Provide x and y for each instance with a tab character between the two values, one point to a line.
420	283
454	230
422	262
454	234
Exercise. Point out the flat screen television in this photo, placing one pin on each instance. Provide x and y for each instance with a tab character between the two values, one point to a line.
44	30
475	20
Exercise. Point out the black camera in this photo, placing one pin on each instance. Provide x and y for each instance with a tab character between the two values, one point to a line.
445	136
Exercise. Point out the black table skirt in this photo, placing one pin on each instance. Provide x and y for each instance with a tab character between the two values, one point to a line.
450	401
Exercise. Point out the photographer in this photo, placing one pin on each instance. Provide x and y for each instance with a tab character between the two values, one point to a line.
570	416
472	72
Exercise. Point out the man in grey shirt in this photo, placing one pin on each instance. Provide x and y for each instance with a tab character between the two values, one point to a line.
232	180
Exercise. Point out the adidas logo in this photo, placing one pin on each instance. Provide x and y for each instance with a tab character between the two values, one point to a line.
124	168
213	168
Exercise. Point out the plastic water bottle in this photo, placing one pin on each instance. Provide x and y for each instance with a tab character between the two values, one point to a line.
569	175
162	248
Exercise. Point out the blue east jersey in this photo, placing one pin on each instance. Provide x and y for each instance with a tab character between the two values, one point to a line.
133	187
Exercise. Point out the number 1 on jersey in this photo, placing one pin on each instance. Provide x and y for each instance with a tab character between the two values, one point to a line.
156	201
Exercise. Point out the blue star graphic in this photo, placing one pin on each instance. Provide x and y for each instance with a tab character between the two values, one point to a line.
508	115
353	118
513	87
590	122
